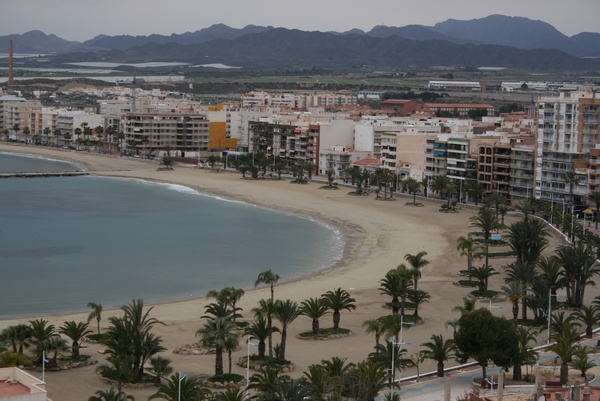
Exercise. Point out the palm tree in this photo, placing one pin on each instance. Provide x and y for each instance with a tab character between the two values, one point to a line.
525	274
17	336
595	199
588	316
269	278
468	306
160	367
41	334
266	308
318	378
96	313
442	184
314	308
230	394
376	326
129	340
396	284
482	274
525	355
565	347
572	180
528	239
514	291
285	312
367	379
467	247
413	186
550	271
416	262
181	388
26	132
425	185
417	298
487	222
111	395
581	360
438	350
579	268
259	330
56	345
266	381
527	207
496	199
218	333
475	190
75	331
336	301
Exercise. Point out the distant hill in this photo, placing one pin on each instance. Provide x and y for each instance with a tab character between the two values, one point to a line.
34	42
122	42
496	40
283	48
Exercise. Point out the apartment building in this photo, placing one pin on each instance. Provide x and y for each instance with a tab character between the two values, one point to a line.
339	159
460	109
10	113
567	131
292	143
186	133
522	168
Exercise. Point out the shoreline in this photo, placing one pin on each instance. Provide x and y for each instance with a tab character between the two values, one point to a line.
378	235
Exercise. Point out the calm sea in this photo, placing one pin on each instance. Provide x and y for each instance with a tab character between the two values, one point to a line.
67	241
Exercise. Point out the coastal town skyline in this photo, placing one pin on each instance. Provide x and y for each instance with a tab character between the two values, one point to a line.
153	17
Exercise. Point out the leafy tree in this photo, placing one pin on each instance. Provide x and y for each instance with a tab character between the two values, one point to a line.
75	331
484	337
438	350
336	301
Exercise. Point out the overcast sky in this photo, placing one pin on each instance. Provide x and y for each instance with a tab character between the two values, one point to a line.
84	19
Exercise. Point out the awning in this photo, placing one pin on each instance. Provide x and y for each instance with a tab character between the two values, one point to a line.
588	211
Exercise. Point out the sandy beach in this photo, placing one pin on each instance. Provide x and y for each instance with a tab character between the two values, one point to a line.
377	234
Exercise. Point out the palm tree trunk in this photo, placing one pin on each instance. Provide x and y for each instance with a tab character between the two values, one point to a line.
336	320
315	326
440	369
524	306
219	362
282	346
564	373
517	373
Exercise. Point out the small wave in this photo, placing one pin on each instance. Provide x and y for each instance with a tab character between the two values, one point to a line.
46	158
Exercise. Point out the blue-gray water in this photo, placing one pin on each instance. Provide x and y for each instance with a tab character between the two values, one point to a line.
67	241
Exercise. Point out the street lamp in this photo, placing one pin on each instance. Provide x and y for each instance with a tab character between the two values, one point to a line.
394	344
550	295
179	385
248	365
44	362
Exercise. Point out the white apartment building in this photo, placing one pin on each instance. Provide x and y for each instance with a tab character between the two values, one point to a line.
567	128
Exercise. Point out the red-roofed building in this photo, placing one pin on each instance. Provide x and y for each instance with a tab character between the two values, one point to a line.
17	385
401	107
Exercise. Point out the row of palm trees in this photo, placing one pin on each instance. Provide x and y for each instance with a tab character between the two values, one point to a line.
41	337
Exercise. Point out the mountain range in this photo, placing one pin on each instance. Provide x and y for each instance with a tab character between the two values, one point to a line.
496	40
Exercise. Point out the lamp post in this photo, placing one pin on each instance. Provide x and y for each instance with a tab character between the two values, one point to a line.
248	365
179	385
394	344
44	362
550	295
